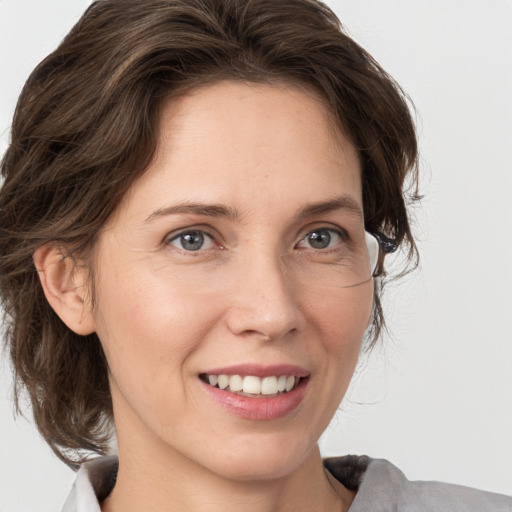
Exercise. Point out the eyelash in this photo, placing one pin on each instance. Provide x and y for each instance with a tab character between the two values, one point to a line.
340	233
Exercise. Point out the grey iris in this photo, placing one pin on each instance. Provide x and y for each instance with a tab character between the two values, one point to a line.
319	239
192	241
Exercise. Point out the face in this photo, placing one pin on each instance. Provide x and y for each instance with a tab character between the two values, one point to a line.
218	269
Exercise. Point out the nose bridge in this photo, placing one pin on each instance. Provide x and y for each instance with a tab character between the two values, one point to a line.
264	300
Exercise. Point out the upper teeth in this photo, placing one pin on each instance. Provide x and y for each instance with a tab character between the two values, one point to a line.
254	385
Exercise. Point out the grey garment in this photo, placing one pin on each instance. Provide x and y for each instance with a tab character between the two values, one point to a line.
380	486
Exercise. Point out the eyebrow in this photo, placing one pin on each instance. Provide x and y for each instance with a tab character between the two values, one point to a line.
222	211
344	202
205	210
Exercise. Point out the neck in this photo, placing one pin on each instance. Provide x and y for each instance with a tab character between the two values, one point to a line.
162	483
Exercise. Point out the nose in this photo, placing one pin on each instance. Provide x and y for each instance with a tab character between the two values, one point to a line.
264	302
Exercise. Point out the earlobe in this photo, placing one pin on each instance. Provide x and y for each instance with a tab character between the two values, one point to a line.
64	288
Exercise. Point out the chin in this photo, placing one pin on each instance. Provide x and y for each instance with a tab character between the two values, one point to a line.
266	461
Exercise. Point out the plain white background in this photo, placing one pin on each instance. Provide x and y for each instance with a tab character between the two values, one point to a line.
436	398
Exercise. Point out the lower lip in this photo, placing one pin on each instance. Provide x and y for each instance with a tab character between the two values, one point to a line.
259	408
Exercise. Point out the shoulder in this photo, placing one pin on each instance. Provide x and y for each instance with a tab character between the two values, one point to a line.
382	487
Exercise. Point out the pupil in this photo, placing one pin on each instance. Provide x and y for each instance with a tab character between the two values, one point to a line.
192	241
320	239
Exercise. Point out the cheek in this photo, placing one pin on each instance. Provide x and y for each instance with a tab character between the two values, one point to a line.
148	332
342	315
151	324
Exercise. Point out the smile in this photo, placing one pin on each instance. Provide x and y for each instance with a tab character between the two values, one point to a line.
251	385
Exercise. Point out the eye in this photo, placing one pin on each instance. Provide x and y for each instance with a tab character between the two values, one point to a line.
192	241
322	238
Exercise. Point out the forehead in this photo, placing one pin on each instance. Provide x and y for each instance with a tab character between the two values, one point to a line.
255	145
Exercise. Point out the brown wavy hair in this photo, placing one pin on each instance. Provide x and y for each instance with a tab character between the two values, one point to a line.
85	128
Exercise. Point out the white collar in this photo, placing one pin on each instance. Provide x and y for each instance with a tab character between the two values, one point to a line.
94	479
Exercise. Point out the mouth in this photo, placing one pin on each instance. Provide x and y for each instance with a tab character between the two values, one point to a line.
257	392
253	386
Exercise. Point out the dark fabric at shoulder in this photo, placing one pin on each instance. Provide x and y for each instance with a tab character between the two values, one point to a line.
348	470
103	477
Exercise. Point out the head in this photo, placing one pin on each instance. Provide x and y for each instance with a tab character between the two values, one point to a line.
88	135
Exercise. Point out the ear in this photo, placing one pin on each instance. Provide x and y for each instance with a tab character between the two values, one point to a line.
64	285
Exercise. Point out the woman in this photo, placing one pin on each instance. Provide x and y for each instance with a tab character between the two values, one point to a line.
206	190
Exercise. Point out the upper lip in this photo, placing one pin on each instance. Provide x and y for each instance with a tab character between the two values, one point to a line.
258	370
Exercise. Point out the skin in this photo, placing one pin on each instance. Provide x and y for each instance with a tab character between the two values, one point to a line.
256	293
